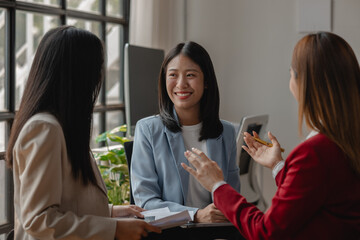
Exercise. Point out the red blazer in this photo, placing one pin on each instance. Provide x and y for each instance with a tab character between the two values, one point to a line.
318	197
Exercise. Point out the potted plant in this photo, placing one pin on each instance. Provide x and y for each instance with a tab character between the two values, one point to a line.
113	166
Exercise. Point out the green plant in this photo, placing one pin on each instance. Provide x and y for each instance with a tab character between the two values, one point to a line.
113	166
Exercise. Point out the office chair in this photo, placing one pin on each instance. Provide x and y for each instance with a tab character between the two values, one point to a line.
128	147
250	188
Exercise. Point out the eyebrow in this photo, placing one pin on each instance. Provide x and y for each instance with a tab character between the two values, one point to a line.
175	69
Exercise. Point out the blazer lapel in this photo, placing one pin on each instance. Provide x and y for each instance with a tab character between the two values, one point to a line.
177	147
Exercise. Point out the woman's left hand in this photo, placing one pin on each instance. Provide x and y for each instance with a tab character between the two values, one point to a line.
206	171
127	211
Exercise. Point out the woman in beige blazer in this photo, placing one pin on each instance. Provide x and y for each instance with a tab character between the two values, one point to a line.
58	191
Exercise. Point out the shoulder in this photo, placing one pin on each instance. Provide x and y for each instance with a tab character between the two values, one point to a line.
42	120
150	124
151	120
318	142
43	125
316	149
228	128
227	124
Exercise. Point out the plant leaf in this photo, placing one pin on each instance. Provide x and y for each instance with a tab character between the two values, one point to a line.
101	137
115	138
121	128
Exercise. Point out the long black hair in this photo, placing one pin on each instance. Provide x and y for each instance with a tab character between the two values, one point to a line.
210	101
65	80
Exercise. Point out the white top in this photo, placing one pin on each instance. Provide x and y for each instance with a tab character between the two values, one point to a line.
197	196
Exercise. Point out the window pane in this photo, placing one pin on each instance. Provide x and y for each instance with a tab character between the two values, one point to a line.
115	8
91	26
95	130
115	119
2	60
114	35
30	28
45	2
3	219
92	6
2	136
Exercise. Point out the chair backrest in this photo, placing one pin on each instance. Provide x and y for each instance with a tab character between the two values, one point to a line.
128	146
248	168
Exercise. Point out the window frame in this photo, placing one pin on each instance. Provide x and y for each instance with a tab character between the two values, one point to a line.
11	6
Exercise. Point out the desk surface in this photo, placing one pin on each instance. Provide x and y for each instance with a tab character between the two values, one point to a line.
198	232
201	225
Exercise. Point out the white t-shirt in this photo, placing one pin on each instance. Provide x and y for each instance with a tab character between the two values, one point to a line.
197	196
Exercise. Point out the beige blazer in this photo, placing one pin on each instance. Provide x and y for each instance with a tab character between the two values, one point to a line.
49	203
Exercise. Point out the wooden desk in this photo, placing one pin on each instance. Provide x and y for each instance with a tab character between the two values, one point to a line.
196	231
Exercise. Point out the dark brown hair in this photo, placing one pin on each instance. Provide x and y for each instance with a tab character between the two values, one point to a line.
328	76
64	80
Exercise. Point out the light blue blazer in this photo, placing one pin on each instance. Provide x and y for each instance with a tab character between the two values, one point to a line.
157	177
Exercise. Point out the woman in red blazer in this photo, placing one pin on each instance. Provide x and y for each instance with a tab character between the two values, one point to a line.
318	194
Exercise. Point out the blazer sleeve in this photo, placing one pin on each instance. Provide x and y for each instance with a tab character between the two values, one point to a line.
144	178
38	153
299	196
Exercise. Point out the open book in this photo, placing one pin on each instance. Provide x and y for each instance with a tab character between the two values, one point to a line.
163	218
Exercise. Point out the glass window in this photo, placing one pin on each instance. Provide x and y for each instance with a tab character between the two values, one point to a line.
91	26
24	31
2	136
114	8
45	2
92	6
3	218
113	67
115	119
2	60
30	28
95	130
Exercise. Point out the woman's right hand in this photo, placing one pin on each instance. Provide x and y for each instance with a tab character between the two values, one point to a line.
264	155
210	214
133	229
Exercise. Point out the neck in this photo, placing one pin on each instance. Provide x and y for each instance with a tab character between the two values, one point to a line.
188	118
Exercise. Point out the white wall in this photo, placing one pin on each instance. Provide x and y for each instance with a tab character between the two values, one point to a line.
157	23
251	42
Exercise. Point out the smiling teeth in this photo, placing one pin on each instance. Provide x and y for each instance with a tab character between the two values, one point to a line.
183	94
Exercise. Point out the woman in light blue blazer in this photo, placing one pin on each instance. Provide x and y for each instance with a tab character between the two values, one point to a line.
189	117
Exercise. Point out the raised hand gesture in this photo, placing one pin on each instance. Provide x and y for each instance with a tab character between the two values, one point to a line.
264	155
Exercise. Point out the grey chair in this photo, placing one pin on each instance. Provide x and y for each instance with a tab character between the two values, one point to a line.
250	171
128	146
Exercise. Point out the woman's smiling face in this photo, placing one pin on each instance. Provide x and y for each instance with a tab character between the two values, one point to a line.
184	84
